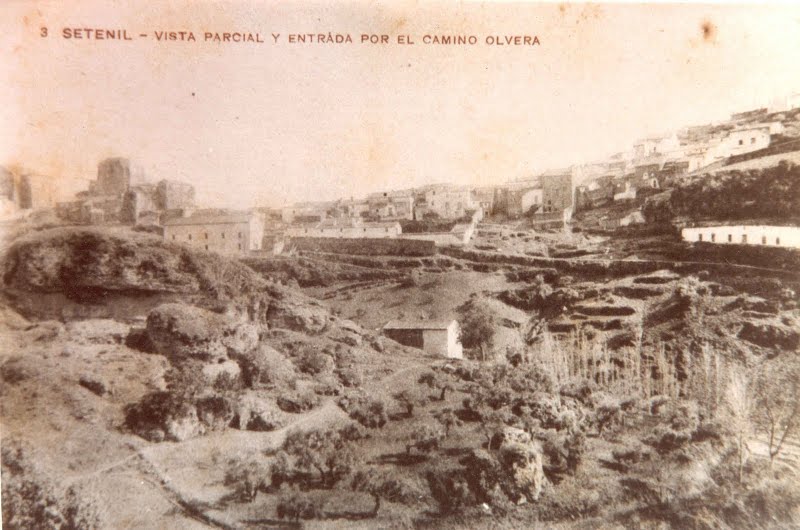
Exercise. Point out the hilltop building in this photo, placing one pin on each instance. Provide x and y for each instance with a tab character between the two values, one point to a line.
226	233
442	338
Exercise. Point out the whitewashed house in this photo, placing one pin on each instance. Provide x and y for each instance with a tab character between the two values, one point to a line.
442	338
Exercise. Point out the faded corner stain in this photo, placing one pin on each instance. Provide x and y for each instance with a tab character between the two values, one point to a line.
708	31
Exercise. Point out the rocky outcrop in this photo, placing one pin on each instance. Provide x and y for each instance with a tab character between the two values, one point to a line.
181	331
297	313
84	262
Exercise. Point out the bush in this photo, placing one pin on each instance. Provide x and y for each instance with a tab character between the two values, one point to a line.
312	361
367	411
295	505
350	376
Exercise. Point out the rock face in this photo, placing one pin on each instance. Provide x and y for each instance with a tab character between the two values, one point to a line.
181	331
98	331
297	313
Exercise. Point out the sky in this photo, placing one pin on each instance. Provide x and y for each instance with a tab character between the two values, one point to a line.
265	124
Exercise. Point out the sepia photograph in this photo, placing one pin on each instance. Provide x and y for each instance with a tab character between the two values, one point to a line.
399	265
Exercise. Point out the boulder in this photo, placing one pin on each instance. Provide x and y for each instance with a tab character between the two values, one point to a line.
264	367
182	331
509	435
524	462
256	414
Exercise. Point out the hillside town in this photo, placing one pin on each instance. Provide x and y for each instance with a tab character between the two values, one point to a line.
603	195
312	285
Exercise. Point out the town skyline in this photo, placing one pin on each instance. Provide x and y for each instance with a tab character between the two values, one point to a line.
376	123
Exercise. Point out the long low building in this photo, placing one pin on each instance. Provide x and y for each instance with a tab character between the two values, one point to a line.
774	236
346	229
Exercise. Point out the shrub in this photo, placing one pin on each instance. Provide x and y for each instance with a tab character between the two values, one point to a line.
350	376
247	477
312	361
295	505
367	411
450	490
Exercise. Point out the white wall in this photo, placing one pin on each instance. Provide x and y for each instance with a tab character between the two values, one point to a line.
747	141
225	238
781	236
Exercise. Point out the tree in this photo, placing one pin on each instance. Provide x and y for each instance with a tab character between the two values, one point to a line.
248	478
431	380
738	411
777	402
409	399
448	419
323	451
478	326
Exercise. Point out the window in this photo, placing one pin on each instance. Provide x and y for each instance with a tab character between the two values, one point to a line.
190	237
777	241
730	238
206	234
206	247
240	246
741	142
744	239
699	237
365	230
173	237
240	235
223	235
763	240
752	140
713	237
305	230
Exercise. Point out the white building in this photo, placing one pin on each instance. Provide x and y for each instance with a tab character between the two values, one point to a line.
305	211
773	236
347	228
748	139
449	202
226	233
655	145
442	338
